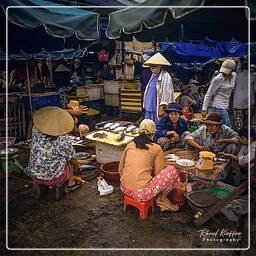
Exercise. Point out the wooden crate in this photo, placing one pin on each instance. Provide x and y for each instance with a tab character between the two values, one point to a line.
112	86
112	100
93	92
132	84
130	100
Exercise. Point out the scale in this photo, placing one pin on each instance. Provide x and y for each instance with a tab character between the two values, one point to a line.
205	162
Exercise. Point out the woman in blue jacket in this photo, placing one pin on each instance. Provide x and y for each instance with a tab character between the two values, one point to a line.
172	128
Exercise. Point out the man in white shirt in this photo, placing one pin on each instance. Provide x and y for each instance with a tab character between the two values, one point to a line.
218	95
241	101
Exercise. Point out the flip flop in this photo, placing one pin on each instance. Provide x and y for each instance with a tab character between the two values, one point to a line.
167	208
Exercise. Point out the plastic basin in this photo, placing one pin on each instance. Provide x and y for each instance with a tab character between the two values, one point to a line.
10	141
220	191
110	171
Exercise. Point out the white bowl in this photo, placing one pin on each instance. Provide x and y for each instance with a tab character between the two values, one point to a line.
185	162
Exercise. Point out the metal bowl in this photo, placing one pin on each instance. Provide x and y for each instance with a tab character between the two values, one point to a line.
82	155
11	151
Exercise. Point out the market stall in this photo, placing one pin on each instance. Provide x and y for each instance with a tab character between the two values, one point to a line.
111	139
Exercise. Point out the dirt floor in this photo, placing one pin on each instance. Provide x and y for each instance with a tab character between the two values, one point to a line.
84	220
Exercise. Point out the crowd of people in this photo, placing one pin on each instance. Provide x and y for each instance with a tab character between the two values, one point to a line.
141	167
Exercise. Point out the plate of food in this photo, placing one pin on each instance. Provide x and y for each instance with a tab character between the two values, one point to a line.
172	157
82	155
185	162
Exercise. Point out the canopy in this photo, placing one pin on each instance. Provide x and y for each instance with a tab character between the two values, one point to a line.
55	55
186	52
60	22
191	23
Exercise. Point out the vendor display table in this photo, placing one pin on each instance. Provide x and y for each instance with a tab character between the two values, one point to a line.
109	149
218	172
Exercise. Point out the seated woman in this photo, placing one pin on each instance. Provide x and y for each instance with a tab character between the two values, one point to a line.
82	120
141	170
243	157
52	156
171	129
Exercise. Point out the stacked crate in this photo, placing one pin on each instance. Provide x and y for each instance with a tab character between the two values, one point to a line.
111	91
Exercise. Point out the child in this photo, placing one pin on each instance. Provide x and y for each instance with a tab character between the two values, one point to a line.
172	128
243	157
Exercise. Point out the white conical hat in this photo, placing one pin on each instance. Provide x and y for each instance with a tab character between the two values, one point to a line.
53	121
158	59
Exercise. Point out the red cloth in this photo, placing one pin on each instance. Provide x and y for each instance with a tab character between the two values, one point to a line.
60	180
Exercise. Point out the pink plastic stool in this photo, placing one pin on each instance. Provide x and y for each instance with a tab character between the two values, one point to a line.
142	206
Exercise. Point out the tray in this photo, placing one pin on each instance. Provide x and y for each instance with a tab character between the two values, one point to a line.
111	139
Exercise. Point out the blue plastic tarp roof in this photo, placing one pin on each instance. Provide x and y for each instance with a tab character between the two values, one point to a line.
55	55
181	52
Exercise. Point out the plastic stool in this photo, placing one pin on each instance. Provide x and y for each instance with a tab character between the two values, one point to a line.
142	206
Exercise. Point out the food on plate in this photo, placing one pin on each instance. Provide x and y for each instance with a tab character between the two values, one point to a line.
185	162
121	136
107	125
114	126
207	154
130	128
136	130
101	124
100	135
119	129
172	157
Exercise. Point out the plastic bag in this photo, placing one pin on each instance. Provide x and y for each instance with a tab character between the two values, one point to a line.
103	187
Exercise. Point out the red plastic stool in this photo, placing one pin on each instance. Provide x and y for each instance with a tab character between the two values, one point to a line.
142	206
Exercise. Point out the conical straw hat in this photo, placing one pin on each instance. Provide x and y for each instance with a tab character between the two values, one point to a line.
53	121
158	59
62	68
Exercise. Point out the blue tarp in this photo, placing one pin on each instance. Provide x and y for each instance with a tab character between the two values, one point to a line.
56	55
3	56
181	52
42	101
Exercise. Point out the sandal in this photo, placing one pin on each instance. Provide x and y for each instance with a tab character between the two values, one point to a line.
167	208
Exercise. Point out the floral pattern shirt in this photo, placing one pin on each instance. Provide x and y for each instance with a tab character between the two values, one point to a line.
48	157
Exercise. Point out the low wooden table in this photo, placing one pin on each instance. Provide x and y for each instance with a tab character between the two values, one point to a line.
194	173
109	150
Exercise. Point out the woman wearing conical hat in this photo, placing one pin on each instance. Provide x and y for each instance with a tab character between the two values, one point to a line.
52	156
159	90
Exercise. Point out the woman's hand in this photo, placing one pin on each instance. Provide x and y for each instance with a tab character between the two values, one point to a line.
78	110
175	137
218	142
223	154
202	148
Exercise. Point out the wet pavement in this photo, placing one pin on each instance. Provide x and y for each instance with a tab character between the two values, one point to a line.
85	220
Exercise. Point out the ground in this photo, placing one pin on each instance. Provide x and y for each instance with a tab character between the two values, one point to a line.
83	219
